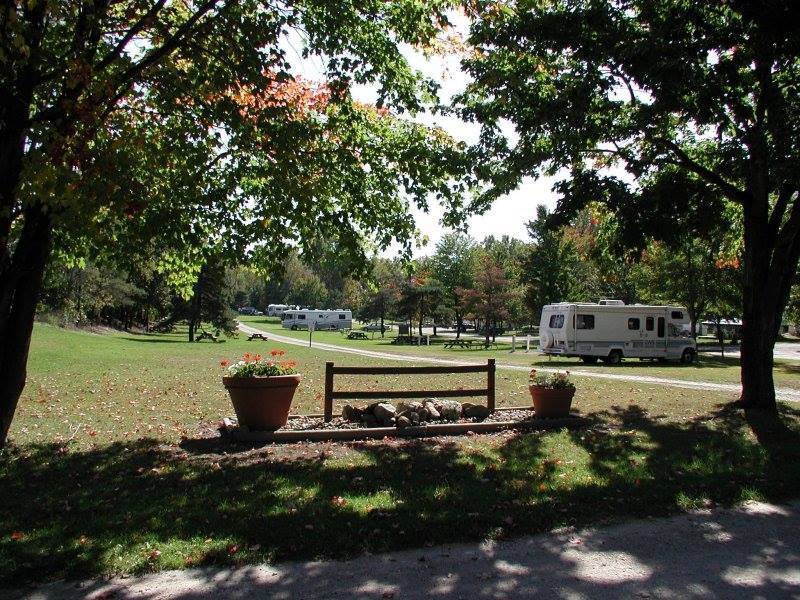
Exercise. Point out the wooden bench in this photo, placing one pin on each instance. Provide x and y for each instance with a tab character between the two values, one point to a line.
357	335
256	336
331	395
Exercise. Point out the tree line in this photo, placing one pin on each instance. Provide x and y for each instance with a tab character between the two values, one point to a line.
497	284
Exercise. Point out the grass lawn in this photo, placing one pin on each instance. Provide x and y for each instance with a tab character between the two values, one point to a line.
707	368
111	469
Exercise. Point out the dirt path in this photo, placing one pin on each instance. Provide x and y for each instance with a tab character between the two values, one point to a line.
785	394
748	552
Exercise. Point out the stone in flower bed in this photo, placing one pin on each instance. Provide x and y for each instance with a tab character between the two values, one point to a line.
407	414
315	423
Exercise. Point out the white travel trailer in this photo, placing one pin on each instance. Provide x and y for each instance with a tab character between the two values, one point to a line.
612	330
276	310
322	319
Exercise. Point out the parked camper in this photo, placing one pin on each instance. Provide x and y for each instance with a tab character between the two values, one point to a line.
612	330
276	310
322	319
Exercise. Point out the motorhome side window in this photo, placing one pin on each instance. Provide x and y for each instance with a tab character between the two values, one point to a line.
556	321
677	314
633	323
584	322
341	316
649	323
301	317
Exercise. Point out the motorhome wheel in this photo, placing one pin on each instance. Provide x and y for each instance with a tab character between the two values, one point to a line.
614	357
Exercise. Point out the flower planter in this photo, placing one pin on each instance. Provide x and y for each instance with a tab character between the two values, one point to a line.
550	402
262	403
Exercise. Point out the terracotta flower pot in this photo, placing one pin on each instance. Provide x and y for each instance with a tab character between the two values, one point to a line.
551	403
262	403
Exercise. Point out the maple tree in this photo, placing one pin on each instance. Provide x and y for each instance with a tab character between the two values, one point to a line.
123	122
705	88
491	295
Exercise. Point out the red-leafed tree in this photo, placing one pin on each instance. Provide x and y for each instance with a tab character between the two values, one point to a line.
489	300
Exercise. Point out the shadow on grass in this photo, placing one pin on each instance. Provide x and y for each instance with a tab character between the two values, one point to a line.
790	368
146	506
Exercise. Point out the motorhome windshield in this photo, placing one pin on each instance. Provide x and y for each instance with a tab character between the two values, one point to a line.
556	321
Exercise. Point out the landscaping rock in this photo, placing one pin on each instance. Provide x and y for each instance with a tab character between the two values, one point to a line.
450	410
403	422
412	406
384	411
351	413
475	411
432	412
369	420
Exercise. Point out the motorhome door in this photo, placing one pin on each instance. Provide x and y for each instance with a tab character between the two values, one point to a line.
644	331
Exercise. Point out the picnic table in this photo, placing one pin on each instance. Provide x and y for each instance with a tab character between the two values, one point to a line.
256	336
357	335
470	344
406	339
205	335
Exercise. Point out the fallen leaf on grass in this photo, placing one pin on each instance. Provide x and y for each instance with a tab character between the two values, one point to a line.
17	536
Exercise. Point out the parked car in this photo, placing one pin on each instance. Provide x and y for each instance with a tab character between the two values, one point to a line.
376	327
249	310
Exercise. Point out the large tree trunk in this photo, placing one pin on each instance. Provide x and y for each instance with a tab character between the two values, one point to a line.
20	284
770	263
459	324
758	340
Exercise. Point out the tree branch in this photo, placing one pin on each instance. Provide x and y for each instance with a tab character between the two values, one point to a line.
143	21
730	190
779	209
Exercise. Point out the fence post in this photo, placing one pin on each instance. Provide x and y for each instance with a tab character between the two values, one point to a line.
528	343
490	384
513	342
427	340
328	391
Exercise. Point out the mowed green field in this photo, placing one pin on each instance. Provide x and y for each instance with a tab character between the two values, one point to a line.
102	387
114	465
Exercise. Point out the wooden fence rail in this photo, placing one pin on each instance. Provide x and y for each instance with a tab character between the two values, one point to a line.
331	394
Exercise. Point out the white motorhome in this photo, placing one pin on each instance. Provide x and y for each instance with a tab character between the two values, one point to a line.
322	319
612	330
276	310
